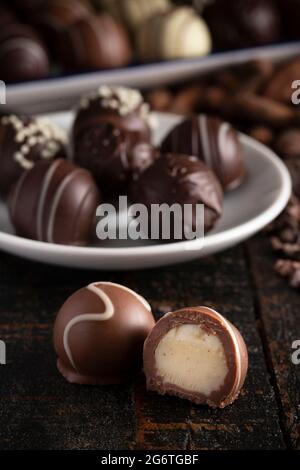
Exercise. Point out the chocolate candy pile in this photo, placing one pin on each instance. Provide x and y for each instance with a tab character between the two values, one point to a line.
257	98
53	200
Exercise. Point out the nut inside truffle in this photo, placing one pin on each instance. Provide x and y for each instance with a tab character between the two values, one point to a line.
191	358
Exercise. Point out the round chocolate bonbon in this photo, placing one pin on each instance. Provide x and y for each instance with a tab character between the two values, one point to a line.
111	137
212	141
175	33
196	354
55	202
22	55
99	334
25	141
180	179
95	42
242	23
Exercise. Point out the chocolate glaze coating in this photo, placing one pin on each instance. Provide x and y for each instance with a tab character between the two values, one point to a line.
234	348
95	42
111	136
22	54
25	141
99	334
51	18
182	179
243	23
214	142
55	202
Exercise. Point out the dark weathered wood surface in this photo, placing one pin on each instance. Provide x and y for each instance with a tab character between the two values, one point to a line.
39	410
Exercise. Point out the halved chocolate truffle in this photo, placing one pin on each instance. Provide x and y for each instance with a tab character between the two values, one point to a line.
214	142
23	142
196	354
111	137
22	54
55	202
181	179
95	42
99	334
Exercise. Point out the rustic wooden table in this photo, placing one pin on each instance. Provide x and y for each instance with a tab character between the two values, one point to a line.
39	410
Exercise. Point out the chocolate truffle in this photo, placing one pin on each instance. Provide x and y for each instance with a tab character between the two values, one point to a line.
242	23
93	43
22	54
111	137
174	34
25	141
51	18
134	12
55	202
99	334
196	354
180	179
212	141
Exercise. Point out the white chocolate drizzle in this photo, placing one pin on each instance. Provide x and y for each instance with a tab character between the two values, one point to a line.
104	316
56	201
205	140
224	129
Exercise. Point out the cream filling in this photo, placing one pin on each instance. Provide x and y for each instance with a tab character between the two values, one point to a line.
190	358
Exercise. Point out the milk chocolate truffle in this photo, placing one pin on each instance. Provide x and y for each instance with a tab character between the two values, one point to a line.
99	334
25	141
243	23
212	141
180	179
198	355
93	43
111	137
55	202
22	54
52	17
174	34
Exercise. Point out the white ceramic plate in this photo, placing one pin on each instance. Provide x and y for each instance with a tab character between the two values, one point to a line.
247	210
61	93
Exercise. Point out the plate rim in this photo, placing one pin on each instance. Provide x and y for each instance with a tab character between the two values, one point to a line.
238	232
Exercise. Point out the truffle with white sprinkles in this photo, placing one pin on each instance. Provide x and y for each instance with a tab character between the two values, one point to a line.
23	142
99	334
112	136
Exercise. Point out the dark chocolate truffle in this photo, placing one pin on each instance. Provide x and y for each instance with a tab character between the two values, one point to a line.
111	137
212	141
93	43
55	202
52	18
25	141
196	354
180	179
243	23
99	334
22	54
